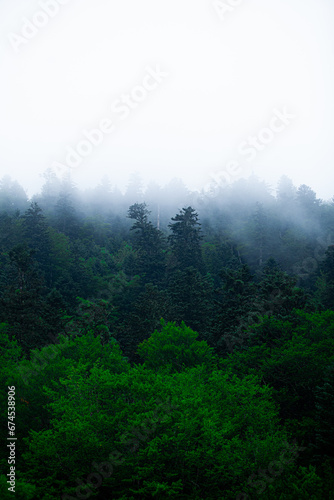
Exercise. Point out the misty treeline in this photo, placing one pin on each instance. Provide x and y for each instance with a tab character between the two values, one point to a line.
168	344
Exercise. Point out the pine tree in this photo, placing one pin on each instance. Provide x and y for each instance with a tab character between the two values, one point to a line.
278	293
324	397
191	297
23	301
185	239
37	237
327	281
66	220
12	196
149	243
234	309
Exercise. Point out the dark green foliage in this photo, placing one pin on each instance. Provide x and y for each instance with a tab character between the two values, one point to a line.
278	293
235	309
324	402
37	237
151	305
150	245
191	298
92	316
292	357
23	300
185	239
327	288
230	395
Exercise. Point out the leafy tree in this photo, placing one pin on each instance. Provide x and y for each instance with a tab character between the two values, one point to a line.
175	348
152	430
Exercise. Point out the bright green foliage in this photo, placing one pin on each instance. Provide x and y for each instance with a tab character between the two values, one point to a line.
23	490
175	348
48	366
190	434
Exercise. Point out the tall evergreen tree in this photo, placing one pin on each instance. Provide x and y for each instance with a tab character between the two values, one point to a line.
326	282
234	310
324	401
38	239
12	196
278	293
150	244
191	297
23	302
185	239
66	219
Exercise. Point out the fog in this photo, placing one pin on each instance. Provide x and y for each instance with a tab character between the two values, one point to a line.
205	91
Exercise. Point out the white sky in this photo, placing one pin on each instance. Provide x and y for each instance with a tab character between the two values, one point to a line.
226	76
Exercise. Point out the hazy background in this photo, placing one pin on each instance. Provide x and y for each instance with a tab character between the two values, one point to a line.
225	78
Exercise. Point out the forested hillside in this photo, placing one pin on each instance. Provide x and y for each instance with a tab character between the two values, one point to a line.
168	344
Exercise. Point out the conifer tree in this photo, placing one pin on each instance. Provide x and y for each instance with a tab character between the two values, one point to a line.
185	239
37	237
327	270
150	244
